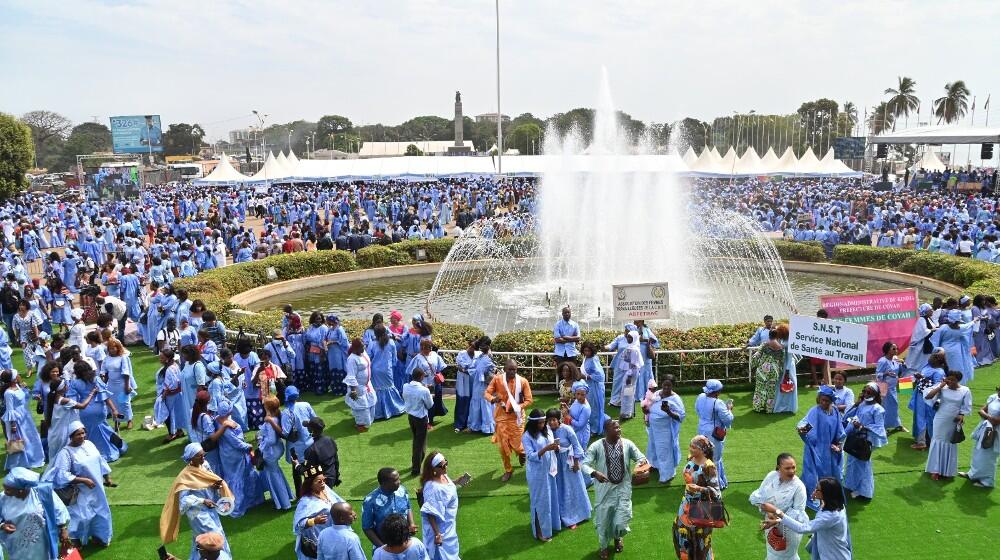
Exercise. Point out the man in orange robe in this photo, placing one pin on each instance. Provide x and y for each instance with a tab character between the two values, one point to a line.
510	395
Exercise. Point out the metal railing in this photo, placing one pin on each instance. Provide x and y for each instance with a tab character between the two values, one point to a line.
688	367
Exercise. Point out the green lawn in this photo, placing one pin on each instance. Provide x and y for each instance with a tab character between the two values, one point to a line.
911	516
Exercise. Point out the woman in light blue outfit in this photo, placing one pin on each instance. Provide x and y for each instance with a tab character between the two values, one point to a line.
843	396
578	413
193	376
786	395
337	347
19	424
956	339
888	371
593	372
571	488
234	454
831	534
955	402
618	346
980	334
315	345
983	471
399	545
169	379
628	368
203	428
463	386
646	338
923	328
312	514
5	350
823	434
868	418
38	516
117	370
199	505
782	490
60	413
713	413
541	452
270	445
480	410
923	412
382	351
94	416
666	413
360	397
293	418
80	463
439	513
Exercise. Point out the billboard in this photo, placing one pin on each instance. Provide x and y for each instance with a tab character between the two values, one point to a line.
837	341
113	181
136	134
849	147
889	315
641	301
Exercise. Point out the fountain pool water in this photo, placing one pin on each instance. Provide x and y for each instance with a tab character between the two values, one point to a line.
599	225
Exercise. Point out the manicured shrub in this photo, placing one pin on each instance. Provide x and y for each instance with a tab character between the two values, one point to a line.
378	256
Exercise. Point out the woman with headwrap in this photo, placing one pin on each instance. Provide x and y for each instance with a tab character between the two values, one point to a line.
482	371
956	339
923	328
194	493
204	428
272	448
713	413
79	465
541	450
786	393
33	518
396	331
666	413
571	487
867	417
19	425
312	514
629	367
170	400
823	433
577	414
618	345
61	413
237	471
702	482
439	510
382	351
94	416
428	361
360	396
409	346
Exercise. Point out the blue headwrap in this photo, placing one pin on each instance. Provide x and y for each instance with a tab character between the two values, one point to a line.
190	450
225	408
21	478
291	393
712	386
630	327
954	316
825	391
580	386
925	308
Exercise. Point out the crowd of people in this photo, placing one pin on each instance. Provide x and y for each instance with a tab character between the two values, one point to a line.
112	265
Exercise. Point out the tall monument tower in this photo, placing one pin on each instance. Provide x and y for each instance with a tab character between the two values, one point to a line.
459	147
458	120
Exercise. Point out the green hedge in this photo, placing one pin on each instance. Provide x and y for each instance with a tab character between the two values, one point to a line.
436	250
378	256
975	277
807	251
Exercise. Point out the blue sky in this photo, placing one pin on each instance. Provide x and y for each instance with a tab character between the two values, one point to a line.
212	62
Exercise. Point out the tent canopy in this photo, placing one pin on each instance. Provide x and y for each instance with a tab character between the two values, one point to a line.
224	173
941	135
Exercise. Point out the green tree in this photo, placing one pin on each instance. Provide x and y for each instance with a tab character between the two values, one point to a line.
86	138
849	116
691	133
327	129
413	150
580	119
903	100
817	120
17	152
526	138
954	104
483	134
182	139
49	131
881	118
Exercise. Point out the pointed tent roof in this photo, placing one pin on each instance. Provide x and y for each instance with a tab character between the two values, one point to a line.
223	173
283	162
787	163
930	162
292	158
769	163
271	171
690	157
728	161
808	163
704	163
749	163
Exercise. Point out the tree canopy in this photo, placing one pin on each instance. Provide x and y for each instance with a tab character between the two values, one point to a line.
16	154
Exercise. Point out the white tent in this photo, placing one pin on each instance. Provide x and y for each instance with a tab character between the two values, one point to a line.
224	173
283	162
808	164
271	171
769	163
749	164
705	163
787	163
728	162
930	162
690	157
941	135
292	159
831	166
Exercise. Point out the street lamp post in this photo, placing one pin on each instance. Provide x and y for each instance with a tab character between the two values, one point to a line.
263	139
290	131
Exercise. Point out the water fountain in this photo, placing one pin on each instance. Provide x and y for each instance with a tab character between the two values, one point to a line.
599	225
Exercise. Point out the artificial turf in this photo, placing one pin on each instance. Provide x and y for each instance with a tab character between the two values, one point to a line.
910	517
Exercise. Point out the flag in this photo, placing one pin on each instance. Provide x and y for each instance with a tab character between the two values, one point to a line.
906	385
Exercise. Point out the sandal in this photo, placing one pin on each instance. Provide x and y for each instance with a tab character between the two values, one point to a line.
619	545
603	554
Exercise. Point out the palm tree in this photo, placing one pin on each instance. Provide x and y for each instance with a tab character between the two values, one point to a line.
954	104
903	100
881	118
850	113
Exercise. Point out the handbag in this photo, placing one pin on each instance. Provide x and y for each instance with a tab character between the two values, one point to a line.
70	492
72	554
257	459
708	513
718	432
776	539
14	446
858	446
787	386
959	435
640	475
989	438
308	547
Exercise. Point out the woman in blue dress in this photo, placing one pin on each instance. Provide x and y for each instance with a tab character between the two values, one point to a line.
983	472
831	534
823	434
593	373
541	451
980	333
571	488
382	350
19	425
360	397
116	369
337	345
923	412
647	338
888	371
234	454
480	410
316	360
618	346
956	339
577	414
204	428
713	413
312	513
94	417
843	396
463	386
35	518
665	418
152	324
194	377
439	512
169	381
868	418
270	445
79	463
248	410
786	396
296	340
198	503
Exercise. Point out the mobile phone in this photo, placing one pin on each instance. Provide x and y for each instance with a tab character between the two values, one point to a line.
162	551
293	454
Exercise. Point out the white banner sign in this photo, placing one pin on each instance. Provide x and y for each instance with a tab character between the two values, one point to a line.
641	301
837	341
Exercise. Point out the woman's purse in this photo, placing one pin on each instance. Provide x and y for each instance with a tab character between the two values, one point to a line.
989	437
308	547
958	436
787	385
708	513
718	432
640	475
858	446
776	539
14	446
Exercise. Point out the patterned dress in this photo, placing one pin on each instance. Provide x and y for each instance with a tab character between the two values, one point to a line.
766	364
690	542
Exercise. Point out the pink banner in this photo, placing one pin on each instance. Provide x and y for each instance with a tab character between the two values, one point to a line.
889	315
